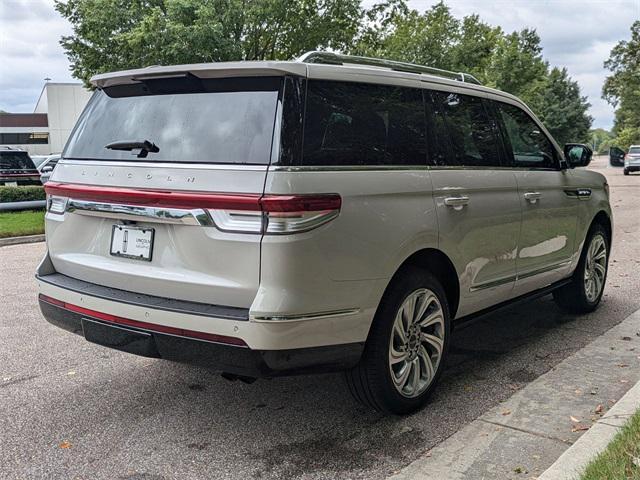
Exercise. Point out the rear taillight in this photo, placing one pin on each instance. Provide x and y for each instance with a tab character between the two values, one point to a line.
280	214
239	213
56	204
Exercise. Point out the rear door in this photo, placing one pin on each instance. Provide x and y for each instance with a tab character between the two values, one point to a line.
476	198
549	211
181	222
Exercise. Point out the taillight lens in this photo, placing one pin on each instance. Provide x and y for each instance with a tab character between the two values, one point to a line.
56	204
280	214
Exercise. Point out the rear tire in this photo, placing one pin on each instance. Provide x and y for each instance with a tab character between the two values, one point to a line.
407	345
626	172
584	292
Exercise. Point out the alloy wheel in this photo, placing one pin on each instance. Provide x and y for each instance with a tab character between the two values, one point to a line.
595	268
416	343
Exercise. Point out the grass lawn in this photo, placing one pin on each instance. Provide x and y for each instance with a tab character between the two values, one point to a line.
17	224
621	459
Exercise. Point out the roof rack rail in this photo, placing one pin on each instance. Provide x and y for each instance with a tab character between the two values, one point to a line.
331	58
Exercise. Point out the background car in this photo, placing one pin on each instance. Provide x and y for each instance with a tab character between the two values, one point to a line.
47	166
632	160
17	168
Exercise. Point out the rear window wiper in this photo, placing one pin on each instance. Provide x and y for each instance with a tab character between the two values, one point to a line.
141	148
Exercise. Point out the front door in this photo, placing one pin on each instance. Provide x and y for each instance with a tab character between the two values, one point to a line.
547	236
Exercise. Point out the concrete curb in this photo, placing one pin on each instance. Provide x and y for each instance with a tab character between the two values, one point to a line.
18	240
573	461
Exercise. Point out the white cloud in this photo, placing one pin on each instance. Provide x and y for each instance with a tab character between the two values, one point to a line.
30	32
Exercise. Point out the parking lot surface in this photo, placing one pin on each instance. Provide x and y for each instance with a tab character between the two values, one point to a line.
71	409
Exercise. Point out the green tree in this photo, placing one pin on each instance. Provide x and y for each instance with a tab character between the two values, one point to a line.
119	34
600	140
622	88
475	45
557	101
399	33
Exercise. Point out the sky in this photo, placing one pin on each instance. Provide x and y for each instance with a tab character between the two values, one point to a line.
577	34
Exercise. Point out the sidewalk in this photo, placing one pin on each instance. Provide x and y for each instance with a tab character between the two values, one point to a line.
525	435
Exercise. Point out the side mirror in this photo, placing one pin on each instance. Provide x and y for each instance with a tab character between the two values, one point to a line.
47	169
577	154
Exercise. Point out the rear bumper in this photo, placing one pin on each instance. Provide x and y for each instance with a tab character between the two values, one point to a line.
222	357
632	167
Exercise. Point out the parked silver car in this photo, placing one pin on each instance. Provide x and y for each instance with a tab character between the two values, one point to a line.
632	160
331	213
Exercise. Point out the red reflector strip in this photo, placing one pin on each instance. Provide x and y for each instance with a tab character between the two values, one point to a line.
301	203
155	198
211	337
176	199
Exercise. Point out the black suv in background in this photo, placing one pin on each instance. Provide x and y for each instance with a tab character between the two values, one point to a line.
17	168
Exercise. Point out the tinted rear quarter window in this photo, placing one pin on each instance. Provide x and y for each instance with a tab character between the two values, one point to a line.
227	120
363	124
463	131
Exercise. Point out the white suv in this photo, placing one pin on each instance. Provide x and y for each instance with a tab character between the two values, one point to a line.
331	213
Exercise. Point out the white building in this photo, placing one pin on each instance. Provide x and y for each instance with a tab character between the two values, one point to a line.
46	130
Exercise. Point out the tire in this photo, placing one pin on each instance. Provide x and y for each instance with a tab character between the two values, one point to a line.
626	172
577	296
371	382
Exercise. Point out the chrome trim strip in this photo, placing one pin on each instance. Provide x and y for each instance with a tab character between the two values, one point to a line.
186	166
549	268
303	316
197	217
493	283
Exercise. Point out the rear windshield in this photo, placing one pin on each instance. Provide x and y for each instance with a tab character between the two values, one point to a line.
634	150
15	161
189	119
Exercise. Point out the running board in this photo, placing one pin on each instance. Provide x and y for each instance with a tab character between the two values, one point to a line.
467	320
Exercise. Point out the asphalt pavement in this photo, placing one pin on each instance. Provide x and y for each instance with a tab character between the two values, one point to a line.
70	409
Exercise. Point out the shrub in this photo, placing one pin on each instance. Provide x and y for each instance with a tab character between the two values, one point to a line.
21	194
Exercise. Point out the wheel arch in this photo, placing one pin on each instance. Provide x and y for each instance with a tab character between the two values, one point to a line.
439	264
603	218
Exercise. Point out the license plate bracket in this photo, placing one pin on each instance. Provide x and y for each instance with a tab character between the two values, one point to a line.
132	242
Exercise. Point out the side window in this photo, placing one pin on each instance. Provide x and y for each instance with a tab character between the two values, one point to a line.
463	123
363	124
529	144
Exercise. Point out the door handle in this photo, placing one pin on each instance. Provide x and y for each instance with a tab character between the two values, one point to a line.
458	203
532	197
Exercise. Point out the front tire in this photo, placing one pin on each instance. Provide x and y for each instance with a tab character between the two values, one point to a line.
584	292
626	172
408	342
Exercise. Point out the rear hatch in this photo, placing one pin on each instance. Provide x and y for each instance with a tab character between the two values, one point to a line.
159	186
17	168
